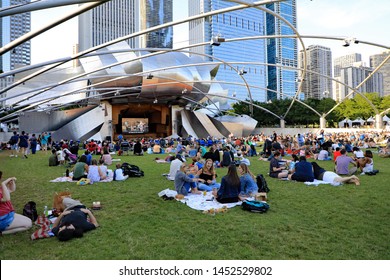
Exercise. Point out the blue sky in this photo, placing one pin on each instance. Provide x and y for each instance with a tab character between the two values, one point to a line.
363	19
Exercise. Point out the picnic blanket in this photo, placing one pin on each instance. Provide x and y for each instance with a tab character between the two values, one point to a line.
199	201
69	179
316	183
109	178
44	231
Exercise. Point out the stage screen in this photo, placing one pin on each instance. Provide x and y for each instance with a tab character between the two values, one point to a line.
135	125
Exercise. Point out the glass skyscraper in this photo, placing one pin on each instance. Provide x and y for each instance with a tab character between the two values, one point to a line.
282	51
237	24
12	27
118	18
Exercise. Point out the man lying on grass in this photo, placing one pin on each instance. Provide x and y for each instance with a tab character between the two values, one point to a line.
73	222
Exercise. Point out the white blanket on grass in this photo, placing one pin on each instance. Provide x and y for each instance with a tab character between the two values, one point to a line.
109	178
316	183
69	179
199	201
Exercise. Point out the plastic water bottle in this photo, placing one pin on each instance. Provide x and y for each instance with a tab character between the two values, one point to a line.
46	211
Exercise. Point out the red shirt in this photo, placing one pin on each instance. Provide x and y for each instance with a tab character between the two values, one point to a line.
5	207
92	146
336	154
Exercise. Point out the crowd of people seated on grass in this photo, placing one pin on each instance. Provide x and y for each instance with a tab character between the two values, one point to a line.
193	164
250	146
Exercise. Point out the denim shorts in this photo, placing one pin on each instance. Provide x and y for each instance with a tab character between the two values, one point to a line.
6	220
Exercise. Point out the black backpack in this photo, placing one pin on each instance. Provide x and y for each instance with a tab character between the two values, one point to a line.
255	206
30	210
262	184
131	170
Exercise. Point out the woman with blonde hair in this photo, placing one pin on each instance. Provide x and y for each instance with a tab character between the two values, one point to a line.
207	175
249	187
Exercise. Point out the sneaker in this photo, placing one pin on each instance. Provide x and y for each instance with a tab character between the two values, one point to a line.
16	155
362	173
25	156
11	155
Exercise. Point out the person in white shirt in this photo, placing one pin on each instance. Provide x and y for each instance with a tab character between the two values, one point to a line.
323	155
357	152
60	157
244	160
174	167
119	173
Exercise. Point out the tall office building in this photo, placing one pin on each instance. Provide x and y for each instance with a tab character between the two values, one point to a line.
317	83
118	18
12	27
237	24
354	75
282	51
377	59
345	61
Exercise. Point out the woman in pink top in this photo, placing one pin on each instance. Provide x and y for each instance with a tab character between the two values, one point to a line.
107	158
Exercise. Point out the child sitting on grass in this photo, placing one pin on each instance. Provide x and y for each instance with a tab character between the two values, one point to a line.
118	173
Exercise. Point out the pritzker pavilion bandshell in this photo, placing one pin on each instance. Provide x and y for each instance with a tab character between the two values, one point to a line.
113	84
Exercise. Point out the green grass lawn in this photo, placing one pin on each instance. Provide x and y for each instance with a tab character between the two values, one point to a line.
304	222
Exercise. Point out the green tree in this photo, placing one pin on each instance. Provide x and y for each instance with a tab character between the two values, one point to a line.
385	103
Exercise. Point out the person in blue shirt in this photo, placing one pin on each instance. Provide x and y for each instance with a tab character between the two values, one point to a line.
293	161
301	140
179	148
249	186
303	171
88	157
209	142
230	187
348	147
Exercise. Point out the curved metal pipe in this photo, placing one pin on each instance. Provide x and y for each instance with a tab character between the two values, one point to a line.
311	36
139	33
189	65
303	72
35	33
39	65
237	39
362	83
39	5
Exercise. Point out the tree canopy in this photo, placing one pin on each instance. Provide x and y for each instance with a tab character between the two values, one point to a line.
299	114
